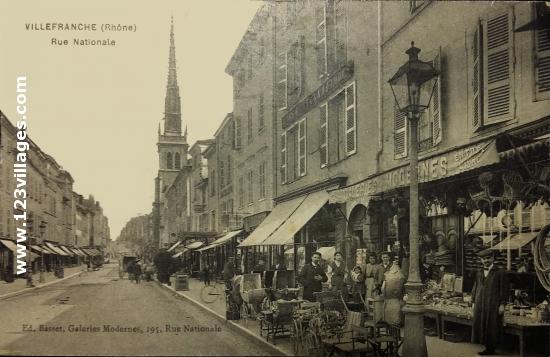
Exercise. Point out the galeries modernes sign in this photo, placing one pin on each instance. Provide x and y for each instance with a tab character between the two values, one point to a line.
429	169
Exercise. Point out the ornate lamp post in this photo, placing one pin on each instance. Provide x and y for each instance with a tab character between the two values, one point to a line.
412	86
42	228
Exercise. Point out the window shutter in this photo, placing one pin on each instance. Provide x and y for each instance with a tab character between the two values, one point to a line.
282	81
284	170
302	145
477	102
340	33
323	135
435	107
237	133
542	64
295	59
400	136
350	122
498	68
321	38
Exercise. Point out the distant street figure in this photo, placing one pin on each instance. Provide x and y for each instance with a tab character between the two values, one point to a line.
206	274
137	272
130	270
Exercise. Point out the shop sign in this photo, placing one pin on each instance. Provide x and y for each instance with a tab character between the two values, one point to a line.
334	82
430	169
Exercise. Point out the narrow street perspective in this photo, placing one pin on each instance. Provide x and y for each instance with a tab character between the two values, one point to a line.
275	177
97	313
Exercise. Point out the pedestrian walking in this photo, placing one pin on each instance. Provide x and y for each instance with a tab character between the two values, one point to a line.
206	274
312	276
137	272
489	295
130	270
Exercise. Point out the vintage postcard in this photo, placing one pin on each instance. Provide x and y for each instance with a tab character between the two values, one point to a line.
274	177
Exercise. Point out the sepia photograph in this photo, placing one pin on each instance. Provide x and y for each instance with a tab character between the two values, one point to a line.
275	178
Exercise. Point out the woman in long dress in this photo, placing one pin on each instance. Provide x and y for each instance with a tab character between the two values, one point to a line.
370	278
394	290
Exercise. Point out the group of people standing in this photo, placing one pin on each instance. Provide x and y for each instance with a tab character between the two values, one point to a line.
374	278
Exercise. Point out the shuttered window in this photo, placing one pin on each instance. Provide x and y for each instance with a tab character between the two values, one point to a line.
350	138
430	131
282	81
261	173
477	102
542	64
400	133
323	135
302	147
295	62
435	105
340	33
237	133
284	166
261	121
498	68
321	38
241	192
250	137
250	187
492	70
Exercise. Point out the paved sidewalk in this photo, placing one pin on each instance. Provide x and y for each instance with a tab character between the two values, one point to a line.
436	347
19	286
251	328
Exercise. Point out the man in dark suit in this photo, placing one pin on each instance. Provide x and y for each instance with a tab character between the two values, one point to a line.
489	295
312	276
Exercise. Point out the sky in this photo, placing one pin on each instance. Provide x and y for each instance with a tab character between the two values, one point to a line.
96	109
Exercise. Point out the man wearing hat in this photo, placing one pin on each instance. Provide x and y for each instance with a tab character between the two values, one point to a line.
489	295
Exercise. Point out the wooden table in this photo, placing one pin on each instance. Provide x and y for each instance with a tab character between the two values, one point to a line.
433	314
520	326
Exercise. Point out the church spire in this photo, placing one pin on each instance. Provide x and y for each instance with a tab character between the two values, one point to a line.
172	102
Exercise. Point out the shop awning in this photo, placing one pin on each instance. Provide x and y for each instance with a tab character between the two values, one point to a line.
55	249
11	245
78	252
67	250
178	254
515	241
280	214
227	237
194	245
41	249
525	150
431	168
93	251
174	246
220	241
309	207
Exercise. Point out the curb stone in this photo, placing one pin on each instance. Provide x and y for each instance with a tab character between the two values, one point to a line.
233	325
26	290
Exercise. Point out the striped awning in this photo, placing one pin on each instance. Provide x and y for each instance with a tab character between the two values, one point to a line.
194	245
174	246
56	249
11	245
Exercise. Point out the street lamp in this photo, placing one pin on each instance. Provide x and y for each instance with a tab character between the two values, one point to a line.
42	228
412	86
